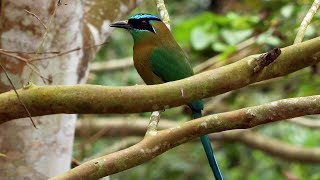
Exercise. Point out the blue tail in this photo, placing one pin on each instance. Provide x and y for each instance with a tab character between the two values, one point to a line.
195	106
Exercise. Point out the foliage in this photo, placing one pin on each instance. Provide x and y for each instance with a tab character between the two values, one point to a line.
218	32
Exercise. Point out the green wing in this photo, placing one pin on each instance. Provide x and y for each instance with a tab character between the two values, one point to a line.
170	65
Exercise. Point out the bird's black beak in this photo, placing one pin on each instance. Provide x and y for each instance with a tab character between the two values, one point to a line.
121	24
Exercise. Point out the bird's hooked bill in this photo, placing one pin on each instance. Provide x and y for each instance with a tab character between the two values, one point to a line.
121	24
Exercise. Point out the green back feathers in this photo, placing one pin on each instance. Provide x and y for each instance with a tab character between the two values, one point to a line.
170	65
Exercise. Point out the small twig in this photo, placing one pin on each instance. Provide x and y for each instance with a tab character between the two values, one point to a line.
21	102
21	52
66	52
58	53
35	69
14	56
33	14
31	66
266	59
163	12
153	124
54	56
44	37
306	21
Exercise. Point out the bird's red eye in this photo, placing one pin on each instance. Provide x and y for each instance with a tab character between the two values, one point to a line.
144	23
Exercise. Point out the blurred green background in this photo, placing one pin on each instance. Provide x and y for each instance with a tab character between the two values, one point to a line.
227	30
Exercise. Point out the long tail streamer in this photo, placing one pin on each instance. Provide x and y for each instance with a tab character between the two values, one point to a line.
209	152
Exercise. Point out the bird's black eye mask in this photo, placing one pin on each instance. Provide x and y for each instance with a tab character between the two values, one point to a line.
141	24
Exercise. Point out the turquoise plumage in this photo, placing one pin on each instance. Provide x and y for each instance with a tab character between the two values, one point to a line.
158	59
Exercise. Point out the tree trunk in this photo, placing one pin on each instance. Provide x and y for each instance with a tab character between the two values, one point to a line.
46	151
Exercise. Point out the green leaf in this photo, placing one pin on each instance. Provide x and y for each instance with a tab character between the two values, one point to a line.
219	46
200	39
233	37
227	52
182	31
287	10
267	38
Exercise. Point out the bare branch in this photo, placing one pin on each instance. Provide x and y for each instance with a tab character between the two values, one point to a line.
306	122
132	127
44	37
306	21
33	14
163	12
92	98
21	52
116	126
18	97
153	146
111	65
66	52
153	124
272	146
30	65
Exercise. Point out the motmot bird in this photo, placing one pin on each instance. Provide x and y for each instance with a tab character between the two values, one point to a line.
158	59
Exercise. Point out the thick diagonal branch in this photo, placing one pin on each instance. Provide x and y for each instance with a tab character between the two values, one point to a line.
153	146
277	148
98	99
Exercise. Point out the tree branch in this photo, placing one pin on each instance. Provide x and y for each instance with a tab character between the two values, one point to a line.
98	99
153	124
153	146
111	65
306	122
163	12
115	126
271	146
306	21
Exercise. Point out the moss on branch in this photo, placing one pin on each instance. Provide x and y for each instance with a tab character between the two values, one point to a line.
89	99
